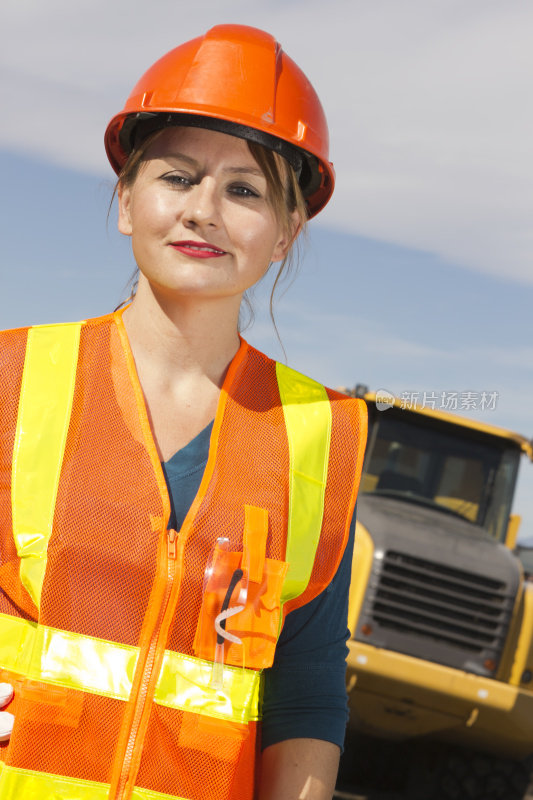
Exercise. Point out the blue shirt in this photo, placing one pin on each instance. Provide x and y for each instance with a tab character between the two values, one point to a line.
304	690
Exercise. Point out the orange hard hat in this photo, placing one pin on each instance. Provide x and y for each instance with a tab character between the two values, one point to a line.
237	80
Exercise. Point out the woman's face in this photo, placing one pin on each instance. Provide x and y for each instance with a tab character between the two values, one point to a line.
198	215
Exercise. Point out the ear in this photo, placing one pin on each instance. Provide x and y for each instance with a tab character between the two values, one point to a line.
288	237
124	210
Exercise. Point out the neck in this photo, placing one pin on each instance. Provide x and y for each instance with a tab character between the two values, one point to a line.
182	351
175	338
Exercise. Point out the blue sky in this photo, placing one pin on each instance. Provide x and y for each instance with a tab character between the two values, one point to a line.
418	277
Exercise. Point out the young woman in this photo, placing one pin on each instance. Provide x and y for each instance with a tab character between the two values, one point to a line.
174	505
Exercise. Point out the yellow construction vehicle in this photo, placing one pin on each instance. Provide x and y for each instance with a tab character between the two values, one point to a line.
440	665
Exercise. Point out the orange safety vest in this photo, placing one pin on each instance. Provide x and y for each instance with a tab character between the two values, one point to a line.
136	652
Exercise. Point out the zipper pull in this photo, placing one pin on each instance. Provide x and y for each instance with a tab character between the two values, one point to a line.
171	543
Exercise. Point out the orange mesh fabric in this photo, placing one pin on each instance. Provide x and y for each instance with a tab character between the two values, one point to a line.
103	561
252	460
64	732
13	597
348	438
183	747
251	467
14	600
102	555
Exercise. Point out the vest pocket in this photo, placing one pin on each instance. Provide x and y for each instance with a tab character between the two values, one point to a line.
60	731
184	758
240	615
53	704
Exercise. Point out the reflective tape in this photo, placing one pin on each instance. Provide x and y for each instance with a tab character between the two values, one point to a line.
16	643
308	422
43	418
184	683
106	668
82	662
24	784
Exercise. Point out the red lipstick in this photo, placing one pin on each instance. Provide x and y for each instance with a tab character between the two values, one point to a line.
198	249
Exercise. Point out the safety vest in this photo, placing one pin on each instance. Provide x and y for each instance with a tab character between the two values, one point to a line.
135	651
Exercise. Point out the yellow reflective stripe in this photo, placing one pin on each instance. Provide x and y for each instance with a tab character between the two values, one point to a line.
43	417
107	668
307	413
184	683
25	784
147	794
16	643
83	662
66	659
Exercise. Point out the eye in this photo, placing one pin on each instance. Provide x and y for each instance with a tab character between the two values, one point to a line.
243	190
176	180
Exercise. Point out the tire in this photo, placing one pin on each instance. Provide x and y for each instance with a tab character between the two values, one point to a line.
369	766
529	790
453	774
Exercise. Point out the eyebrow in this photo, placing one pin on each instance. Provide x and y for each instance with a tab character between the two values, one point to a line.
250	170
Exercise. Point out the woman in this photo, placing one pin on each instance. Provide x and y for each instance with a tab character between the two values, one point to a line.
175	505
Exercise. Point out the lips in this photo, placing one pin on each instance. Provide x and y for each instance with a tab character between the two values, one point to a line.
198	249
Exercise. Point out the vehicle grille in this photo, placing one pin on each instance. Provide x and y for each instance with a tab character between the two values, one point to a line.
438	602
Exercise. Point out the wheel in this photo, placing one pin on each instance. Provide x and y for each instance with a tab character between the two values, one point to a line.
529	790
454	774
369	766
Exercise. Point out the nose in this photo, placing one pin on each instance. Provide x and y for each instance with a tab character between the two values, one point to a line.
202	207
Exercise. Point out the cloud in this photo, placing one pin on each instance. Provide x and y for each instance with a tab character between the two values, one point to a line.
348	348
427	101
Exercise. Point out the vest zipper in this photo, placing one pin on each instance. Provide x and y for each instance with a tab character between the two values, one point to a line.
148	680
